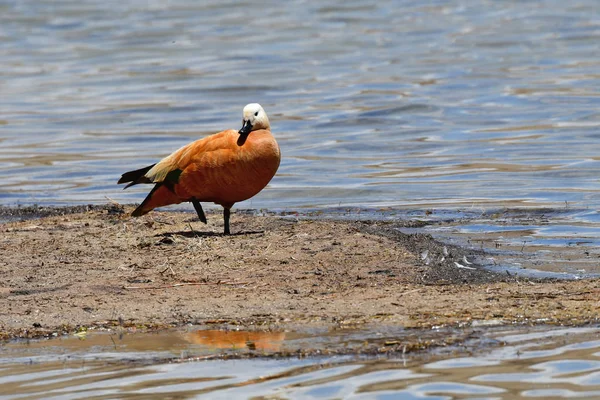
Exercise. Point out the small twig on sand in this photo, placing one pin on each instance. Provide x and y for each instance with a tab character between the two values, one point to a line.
267	249
186	284
165	270
192	229
410	291
160	221
116	203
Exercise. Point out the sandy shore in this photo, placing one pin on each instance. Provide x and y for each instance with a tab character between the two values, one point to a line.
97	267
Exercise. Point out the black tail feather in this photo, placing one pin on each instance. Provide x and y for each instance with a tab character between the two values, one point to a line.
139	211
135	177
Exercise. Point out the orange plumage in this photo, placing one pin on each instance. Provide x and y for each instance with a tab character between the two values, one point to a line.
224	168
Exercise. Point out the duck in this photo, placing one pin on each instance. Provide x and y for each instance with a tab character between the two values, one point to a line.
224	168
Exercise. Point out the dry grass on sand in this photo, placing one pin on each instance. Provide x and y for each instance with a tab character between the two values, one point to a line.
98	267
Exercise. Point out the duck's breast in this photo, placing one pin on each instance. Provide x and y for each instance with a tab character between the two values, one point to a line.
231	171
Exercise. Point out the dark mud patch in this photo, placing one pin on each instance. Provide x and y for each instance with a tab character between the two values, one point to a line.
11	214
440	263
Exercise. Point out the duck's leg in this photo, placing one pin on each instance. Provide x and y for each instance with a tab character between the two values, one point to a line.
226	214
199	210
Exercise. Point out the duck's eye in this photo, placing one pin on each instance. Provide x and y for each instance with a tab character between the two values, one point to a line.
256	114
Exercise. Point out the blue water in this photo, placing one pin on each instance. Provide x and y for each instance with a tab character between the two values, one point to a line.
438	104
518	363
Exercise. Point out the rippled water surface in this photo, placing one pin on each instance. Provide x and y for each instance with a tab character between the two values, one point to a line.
539	363
373	103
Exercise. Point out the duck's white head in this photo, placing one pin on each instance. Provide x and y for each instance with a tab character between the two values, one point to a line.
254	118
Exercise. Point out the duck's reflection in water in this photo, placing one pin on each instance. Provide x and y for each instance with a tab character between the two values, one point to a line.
234	340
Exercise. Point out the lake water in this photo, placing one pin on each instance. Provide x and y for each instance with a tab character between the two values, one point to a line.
439	104
517	363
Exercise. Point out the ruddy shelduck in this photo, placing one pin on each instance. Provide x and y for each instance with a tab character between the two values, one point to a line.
224	168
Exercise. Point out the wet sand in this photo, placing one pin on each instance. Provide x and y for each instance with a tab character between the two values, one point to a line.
68	269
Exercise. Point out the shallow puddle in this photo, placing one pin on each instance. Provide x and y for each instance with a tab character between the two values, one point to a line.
551	243
196	344
496	363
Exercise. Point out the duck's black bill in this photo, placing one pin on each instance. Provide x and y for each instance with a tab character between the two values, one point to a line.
246	129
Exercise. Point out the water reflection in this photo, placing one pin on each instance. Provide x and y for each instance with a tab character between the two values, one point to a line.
233	340
530	362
